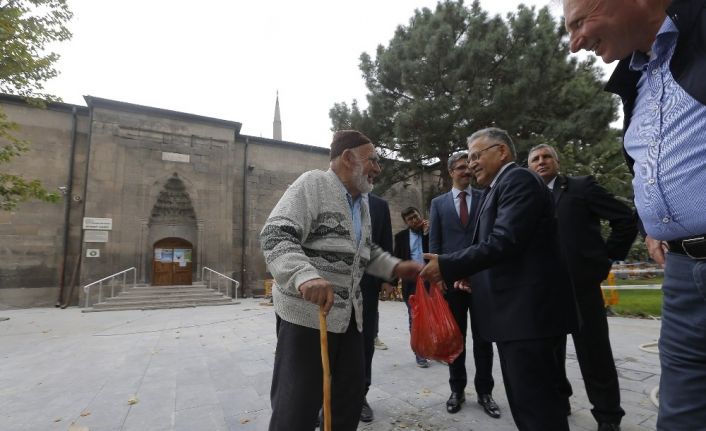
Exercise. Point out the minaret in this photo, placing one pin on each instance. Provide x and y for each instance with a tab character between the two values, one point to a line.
277	124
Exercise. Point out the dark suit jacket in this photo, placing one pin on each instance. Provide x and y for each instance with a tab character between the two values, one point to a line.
581	204
521	287
381	233
402	244
446	234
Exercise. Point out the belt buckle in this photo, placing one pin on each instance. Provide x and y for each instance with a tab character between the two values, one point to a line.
694	241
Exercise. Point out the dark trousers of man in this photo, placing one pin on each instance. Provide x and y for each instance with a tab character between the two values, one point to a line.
370	326
297	381
460	304
527	366
408	289
595	358
682	345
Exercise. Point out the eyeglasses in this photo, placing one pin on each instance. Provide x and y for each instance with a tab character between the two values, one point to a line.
472	157
461	167
372	159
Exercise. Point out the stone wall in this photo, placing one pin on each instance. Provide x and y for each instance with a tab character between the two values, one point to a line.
32	236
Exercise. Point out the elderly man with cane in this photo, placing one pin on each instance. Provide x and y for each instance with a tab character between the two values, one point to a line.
317	246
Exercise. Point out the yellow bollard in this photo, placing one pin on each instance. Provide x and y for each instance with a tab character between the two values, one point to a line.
610	296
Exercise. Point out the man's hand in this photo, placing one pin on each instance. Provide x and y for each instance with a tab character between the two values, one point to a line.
319	291
425	226
388	289
431	272
408	270
656	249
464	285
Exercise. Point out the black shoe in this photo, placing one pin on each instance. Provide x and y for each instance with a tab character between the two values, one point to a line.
454	403
366	415
488	403
605	426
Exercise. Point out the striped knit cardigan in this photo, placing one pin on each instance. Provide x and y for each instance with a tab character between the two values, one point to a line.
309	235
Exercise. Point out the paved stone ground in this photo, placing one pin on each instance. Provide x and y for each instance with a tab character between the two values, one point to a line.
209	368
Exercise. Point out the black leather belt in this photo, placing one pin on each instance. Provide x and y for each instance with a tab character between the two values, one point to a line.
694	247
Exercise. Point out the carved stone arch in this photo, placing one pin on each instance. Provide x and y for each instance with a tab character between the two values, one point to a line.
173	204
172	216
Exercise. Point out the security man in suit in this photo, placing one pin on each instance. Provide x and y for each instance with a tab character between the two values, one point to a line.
412	242
452	219
517	303
581	204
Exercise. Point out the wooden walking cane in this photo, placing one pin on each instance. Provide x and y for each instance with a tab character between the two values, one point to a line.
326	426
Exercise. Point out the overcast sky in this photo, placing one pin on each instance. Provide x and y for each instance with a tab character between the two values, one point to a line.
227	59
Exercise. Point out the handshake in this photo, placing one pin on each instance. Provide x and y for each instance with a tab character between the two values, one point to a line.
319	291
432	273
429	272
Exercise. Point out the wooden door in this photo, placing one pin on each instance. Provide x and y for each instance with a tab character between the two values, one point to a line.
172	263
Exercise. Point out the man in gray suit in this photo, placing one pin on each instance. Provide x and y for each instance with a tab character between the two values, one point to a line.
453	217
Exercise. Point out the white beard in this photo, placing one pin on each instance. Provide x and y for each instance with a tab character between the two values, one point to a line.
361	181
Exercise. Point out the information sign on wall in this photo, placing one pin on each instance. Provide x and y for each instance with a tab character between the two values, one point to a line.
96	223
175	157
95	236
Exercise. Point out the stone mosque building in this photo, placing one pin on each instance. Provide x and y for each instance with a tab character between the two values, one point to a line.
167	193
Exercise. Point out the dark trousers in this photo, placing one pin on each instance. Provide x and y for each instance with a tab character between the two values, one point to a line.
408	289
460	305
527	366
595	358
682	346
370	328
297	382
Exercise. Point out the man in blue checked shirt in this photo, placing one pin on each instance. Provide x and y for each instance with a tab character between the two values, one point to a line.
412	243
661	45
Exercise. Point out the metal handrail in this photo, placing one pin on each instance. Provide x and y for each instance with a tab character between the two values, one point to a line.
218	282
87	288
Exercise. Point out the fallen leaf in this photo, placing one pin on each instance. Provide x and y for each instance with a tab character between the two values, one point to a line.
57	420
85	413
78	428
132	400
244	421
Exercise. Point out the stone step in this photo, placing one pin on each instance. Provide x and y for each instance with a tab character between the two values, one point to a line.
131	300
186	302
157	306
140	292
159	297
155	297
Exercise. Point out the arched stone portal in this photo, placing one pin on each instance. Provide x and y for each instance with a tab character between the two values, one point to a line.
172	235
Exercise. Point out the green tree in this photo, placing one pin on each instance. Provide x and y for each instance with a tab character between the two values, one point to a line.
454	70
27	27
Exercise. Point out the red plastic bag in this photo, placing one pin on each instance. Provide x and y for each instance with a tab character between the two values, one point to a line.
435	333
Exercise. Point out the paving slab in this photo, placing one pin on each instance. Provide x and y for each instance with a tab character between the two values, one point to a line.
210	368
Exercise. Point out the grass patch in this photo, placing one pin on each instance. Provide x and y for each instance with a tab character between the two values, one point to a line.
639	303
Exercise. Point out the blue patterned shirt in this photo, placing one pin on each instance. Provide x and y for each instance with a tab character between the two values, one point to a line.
415	247
354	203
667	140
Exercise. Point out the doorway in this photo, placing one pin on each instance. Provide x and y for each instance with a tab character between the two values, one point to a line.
172	262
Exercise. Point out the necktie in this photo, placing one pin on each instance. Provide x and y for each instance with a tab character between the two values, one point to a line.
463	210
